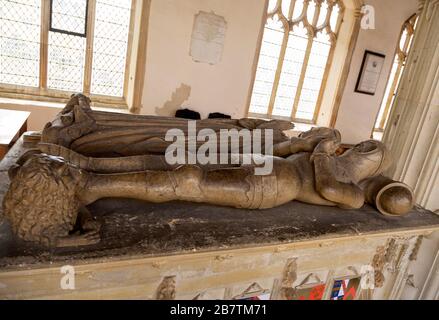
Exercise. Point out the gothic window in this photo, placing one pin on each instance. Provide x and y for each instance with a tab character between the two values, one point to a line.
402	52
294	60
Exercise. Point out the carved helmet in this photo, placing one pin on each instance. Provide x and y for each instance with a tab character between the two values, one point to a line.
370	158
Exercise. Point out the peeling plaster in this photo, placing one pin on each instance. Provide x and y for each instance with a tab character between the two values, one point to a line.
179	96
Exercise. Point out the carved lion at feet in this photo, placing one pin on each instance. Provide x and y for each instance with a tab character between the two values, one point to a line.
41	204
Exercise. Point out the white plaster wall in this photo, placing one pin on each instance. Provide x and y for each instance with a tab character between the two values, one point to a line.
40	112
357	113
205	88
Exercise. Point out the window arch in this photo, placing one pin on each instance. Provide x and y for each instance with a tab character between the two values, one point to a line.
294	59
402	52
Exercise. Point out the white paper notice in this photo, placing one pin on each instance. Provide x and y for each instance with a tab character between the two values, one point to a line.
208	38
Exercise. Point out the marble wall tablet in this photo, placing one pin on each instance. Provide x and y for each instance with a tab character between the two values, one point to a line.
208	37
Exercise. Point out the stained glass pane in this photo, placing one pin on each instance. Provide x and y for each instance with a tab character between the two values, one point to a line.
291	69
310	12
69	15
387	93
313	77
66	62
110	45
267	66
271	5
334	17
20	42
286	8
298	8
402	41
323	14
67	51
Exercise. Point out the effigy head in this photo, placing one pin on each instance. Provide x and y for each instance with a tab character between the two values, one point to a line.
369	159
41	202
74	121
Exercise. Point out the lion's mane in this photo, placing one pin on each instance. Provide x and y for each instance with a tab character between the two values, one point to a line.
40	204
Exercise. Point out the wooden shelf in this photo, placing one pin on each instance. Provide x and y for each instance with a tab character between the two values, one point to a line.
12	125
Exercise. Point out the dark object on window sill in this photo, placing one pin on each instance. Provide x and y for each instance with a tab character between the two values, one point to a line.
187	114
218	115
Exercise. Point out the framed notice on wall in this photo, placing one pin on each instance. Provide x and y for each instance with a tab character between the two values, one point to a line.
370	72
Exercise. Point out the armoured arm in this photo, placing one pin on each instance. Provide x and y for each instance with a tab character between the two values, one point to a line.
295	145
306	142
346	195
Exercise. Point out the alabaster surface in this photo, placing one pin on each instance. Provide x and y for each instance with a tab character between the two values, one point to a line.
85	155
